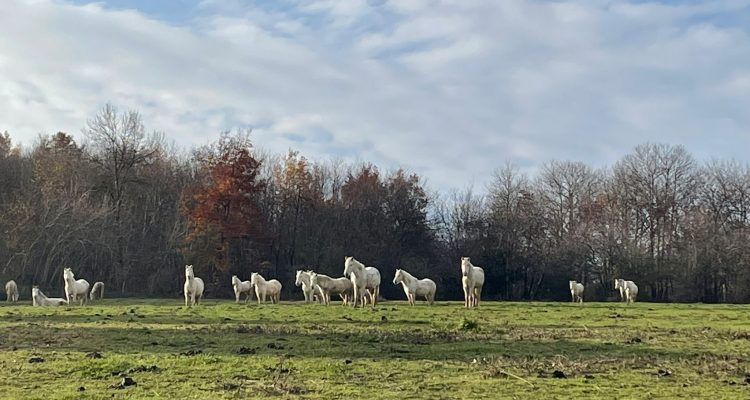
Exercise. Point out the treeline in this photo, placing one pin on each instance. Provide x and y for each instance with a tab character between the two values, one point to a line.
123	207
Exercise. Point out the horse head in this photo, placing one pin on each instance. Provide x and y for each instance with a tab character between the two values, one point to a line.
313	278
465	266
298	279
235	280
254	279
348	265
398	277
572	284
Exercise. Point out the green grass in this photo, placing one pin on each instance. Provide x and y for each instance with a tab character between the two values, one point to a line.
502	350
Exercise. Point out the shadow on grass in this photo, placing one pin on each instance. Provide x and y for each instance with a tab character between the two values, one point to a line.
258	340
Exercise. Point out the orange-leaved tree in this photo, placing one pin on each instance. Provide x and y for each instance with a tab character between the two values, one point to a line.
222	207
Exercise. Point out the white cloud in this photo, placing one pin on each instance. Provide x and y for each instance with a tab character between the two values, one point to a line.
450	89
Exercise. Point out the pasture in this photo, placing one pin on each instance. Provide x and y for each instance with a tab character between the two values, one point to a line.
500	350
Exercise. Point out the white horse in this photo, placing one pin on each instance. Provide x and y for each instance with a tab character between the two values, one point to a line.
414	287
363	278
98	288
241	287
265	288
75	289
472	281
193	287
39	299
11	290
576	291
628	290
302	279
328	286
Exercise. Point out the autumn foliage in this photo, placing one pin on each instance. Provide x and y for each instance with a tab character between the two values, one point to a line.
223	205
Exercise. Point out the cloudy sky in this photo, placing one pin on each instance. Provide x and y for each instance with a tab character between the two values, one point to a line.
449	89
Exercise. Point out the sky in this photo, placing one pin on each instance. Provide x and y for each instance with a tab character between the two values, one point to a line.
449	89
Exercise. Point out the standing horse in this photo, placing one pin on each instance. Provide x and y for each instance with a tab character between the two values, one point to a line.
628	290
576	291
241	287
363	278
11	290
472	281
265	288
98	288
75	289
193	287
414	287
302	279
40	299
328	286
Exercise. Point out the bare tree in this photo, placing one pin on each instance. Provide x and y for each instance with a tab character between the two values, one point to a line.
119	146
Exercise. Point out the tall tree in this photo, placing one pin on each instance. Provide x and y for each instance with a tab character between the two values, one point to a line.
222	207
119	146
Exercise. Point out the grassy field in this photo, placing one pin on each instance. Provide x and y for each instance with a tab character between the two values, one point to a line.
502	350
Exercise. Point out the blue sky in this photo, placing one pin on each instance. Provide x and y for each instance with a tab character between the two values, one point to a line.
449	89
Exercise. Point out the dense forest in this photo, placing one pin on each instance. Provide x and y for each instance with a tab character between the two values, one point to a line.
121	205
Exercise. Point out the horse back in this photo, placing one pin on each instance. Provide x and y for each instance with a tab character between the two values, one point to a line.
427	282
372	276
478	275
199	286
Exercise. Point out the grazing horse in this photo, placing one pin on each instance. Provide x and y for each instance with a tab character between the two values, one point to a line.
98	288
628	290
472	281
241	287
265	288
38	299
328	286
576	291
11	290
75	289
414	287
193	287
363	278
302	279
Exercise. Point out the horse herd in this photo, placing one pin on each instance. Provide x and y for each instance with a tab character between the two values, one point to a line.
75	290
359	285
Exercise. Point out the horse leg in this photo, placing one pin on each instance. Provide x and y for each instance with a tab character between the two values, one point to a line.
187	297
478	295
467	297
